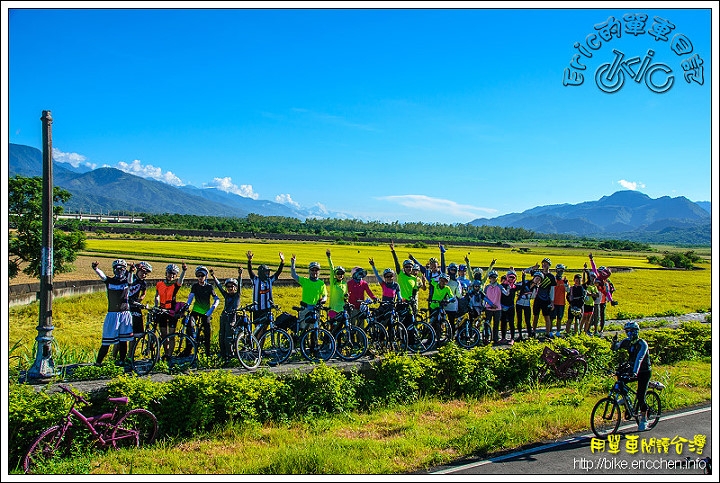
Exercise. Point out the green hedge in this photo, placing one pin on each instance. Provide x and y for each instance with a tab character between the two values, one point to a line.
195	403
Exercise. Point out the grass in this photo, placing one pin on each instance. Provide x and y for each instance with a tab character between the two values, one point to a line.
395	440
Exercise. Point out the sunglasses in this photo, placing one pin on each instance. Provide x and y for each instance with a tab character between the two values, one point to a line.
388	276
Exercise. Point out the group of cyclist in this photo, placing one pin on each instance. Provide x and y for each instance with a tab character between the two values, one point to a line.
497	301
486	297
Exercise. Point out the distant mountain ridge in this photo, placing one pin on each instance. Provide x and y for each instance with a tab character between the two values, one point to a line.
624	214
110	189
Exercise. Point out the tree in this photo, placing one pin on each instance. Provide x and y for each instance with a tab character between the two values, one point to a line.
25	240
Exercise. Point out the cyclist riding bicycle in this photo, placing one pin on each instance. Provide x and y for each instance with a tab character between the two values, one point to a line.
640	365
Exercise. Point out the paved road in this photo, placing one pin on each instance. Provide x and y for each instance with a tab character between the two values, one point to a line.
574	456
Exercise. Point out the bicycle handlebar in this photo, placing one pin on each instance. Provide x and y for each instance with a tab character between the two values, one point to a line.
78	397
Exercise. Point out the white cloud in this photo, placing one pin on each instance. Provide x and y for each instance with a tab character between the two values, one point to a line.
149	171
73	159
631	185
226	185
439	205
285	199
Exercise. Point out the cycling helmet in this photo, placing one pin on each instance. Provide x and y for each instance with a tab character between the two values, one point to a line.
433	260
358	273
408	262
631	325
632	330
314	265
462	267
119	263
492	273
339	270
478	273
546	260
444	276
172	268
263	269
539	274
201	271
559	266
231	281
477	283
417	266
452	266
144	266
511	273
388	271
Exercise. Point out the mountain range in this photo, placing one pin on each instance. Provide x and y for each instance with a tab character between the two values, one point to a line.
626	214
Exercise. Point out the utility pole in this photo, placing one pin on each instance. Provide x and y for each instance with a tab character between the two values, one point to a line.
44	366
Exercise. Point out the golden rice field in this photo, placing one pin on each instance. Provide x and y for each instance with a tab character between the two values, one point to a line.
645	290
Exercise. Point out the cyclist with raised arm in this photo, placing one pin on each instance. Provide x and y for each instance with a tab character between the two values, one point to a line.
338	293
262	290
165	298
202	308
409	285
544	298
117	328
230	290
314	291
640	366
433	270
358	288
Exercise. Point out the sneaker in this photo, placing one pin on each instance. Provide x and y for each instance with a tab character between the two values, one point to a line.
588	333
642	424
510	342
550	335
614	303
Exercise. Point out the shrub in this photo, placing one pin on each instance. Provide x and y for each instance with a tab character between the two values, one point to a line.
322	391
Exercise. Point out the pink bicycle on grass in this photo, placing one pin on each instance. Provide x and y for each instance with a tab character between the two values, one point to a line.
116	429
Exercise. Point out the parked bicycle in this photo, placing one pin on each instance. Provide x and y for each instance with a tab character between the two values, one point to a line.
116	429
316	343
397	335
351	341
276	344
440	323
242	342
467	335
177	350
376	333
420	334
621	403
569	365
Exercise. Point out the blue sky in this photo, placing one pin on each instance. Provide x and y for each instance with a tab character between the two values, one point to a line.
434	115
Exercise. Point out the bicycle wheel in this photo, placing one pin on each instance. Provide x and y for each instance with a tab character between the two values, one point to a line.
138	427
317	345
248	350
575	371
605	417
397	337
179	352
420	337
351	343
468	336
144	353
277	345
377	337
47	446
443	332
652	400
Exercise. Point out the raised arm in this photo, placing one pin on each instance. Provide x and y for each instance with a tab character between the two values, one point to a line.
249	266
181	279
293	273
442	257
280	266
96	266
395	257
